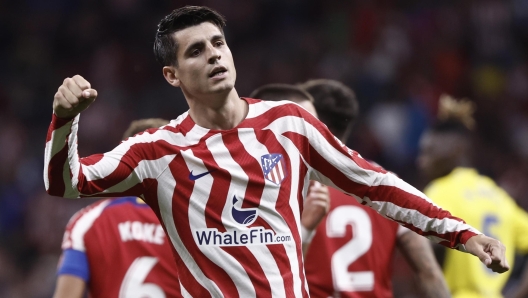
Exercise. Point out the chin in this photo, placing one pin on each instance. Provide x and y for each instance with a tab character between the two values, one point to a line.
223	88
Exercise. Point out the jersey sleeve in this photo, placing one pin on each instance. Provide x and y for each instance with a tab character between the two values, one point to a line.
520	218
123	171
334	164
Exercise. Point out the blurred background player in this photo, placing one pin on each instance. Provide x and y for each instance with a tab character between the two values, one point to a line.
317	202
445	158
352	250
357	262
117	248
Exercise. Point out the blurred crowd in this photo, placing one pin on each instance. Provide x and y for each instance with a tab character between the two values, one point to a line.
398	56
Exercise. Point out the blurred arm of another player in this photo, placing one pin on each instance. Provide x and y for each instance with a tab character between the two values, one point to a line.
521	245
316	206
69	286
419	255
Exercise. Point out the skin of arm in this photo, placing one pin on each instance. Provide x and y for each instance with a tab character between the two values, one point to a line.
522	288
419	255
69	286
316	206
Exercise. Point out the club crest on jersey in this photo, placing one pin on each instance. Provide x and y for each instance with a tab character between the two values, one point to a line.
243	216
274	167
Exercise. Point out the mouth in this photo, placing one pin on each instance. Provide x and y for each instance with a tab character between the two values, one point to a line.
217	72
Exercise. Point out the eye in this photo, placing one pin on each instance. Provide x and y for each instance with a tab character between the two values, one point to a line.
219	43
195	53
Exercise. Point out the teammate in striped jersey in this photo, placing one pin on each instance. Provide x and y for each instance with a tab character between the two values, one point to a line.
351	252
117	248
235	228
445	151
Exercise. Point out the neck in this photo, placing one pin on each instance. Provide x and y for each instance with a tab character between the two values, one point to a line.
218	111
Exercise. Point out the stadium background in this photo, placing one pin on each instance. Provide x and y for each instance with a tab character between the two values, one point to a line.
399	56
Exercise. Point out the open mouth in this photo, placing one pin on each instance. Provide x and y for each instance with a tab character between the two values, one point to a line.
217	71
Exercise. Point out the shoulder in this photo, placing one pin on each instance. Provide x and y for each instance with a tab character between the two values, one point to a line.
81	222
260	107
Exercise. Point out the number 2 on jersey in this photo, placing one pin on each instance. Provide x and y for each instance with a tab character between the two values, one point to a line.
133	286
336	224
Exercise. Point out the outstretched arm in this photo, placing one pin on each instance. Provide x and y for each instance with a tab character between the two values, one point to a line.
419	254
334	164
69	286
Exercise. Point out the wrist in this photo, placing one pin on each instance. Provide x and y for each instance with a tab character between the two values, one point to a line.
306	235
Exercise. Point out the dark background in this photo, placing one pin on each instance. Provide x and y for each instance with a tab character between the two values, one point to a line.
399	56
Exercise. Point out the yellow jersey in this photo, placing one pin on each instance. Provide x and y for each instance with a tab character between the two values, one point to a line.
487	207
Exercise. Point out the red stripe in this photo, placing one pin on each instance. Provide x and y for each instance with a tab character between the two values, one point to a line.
55	171
55	124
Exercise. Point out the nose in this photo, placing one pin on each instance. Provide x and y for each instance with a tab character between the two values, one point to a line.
213	53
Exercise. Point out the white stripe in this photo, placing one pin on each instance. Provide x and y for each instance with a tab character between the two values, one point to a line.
166	187
237	187
421	221
259	108
83	224
71	190
273	218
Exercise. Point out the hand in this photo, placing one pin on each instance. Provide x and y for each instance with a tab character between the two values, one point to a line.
316	205
490	252
74	96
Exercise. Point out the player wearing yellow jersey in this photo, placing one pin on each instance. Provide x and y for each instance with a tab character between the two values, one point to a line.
444	158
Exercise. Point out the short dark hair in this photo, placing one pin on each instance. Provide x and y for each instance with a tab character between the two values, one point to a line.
138	126
165	45
277	92
336	105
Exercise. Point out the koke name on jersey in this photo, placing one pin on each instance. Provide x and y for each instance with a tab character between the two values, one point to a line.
139	231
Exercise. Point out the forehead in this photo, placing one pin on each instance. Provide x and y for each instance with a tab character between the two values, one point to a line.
201	32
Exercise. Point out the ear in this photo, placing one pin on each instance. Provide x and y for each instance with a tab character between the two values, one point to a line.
171	75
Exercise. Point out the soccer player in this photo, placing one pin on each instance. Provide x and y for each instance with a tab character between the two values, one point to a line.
317	201
445	158
117	248
227	178
356	261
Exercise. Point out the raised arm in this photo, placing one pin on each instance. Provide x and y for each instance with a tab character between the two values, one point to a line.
65	174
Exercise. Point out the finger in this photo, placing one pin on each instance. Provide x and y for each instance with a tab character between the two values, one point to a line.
73	87
81	82
61	102
69	96
496	254
483	256
89	94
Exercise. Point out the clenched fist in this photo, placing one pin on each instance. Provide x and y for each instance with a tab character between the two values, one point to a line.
74	96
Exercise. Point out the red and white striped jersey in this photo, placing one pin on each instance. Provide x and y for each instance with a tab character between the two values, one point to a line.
118	247
351	253
235	227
